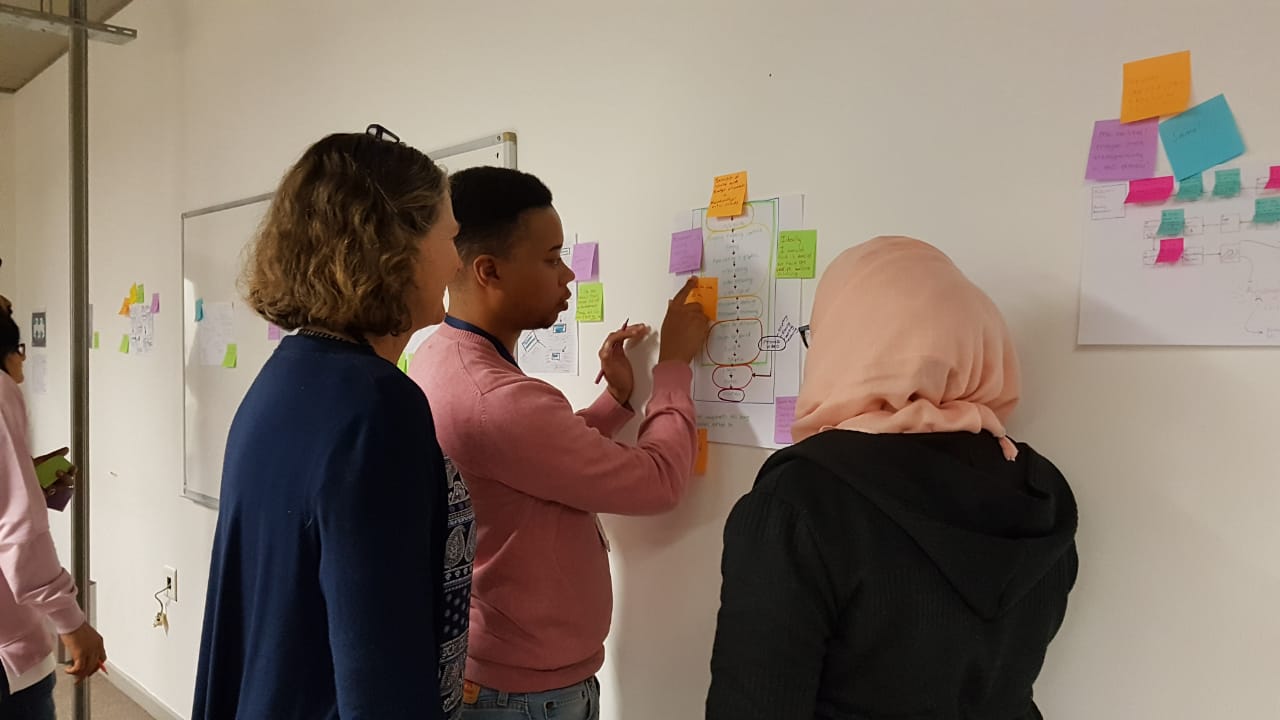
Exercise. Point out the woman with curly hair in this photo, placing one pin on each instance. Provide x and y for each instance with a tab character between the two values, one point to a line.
336	587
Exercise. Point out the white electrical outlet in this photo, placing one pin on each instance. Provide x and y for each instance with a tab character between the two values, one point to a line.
171	584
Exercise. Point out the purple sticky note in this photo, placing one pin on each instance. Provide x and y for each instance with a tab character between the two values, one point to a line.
584	262
686	251
1122	151
784	415
1150	190
155	302
274	333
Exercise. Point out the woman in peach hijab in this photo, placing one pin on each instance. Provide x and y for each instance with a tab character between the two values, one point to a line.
905	558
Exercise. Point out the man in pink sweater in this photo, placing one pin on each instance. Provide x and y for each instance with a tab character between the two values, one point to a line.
542	596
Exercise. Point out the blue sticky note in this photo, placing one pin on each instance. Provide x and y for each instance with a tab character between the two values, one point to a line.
1204	136
1172	222
199	310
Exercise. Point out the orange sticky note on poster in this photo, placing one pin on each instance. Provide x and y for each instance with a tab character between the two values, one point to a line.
706	294
727	195
700	464
1156	86
124	308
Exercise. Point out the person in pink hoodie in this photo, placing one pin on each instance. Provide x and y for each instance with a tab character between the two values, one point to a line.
34	588
542	596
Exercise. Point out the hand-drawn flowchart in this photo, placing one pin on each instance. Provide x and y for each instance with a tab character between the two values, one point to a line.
752	356
1211	278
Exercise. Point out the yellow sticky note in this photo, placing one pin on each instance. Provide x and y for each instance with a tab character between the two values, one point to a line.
124	344
727	195
95	341
1156	86
700	464
229	360
706	294
590	302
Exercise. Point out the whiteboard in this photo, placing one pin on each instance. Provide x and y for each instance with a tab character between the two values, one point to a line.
213	244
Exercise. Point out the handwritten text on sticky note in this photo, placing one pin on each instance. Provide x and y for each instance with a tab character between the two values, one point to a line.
728	195
1156	86
784	415
590	302
1150	190
797	253
686	251
1192	188
1172	222
1204	136
1266	210
1122	152
706	294
1226	183
1170	251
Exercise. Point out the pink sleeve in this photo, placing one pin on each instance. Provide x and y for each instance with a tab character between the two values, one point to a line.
533	442
606	415
28	558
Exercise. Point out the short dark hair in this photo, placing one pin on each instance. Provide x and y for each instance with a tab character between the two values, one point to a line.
487	203
338	245
10	335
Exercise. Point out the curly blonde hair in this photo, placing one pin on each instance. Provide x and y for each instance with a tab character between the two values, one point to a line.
338	246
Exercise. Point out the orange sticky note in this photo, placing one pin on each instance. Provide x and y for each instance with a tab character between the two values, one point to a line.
728	195
706	294
700	464
1156	86
124	308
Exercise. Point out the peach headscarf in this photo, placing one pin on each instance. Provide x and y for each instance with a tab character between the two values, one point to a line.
903	343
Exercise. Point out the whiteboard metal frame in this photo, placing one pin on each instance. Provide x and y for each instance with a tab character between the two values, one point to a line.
507	138
198	497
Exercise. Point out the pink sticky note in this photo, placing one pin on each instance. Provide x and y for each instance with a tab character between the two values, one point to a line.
784	416
1122	151
584	262
1150	190
686	251
1170	251
1274	182
155	302
274	332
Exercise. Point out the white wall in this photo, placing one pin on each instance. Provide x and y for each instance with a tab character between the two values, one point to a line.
962	123
7	181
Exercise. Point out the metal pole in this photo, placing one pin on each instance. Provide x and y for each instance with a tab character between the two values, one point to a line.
79	122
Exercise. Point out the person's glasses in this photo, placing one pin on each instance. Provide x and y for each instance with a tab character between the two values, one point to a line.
804	335
382	133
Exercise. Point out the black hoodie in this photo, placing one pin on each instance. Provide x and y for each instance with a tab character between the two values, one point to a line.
912	577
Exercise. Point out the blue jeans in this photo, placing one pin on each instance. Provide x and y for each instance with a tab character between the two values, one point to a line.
34	703
576	702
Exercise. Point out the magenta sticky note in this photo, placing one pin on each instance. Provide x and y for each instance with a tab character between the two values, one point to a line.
274	332
1150	190
1122	151
155	302
686	251
1170	251
585	263
784	415
1273	183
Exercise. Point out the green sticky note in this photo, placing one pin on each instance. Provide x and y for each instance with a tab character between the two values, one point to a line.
229	360
1172	223
404	363
47	471
590	302
797	253
95	341
124	344
1267	210
139	294
1226	183
1192	188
